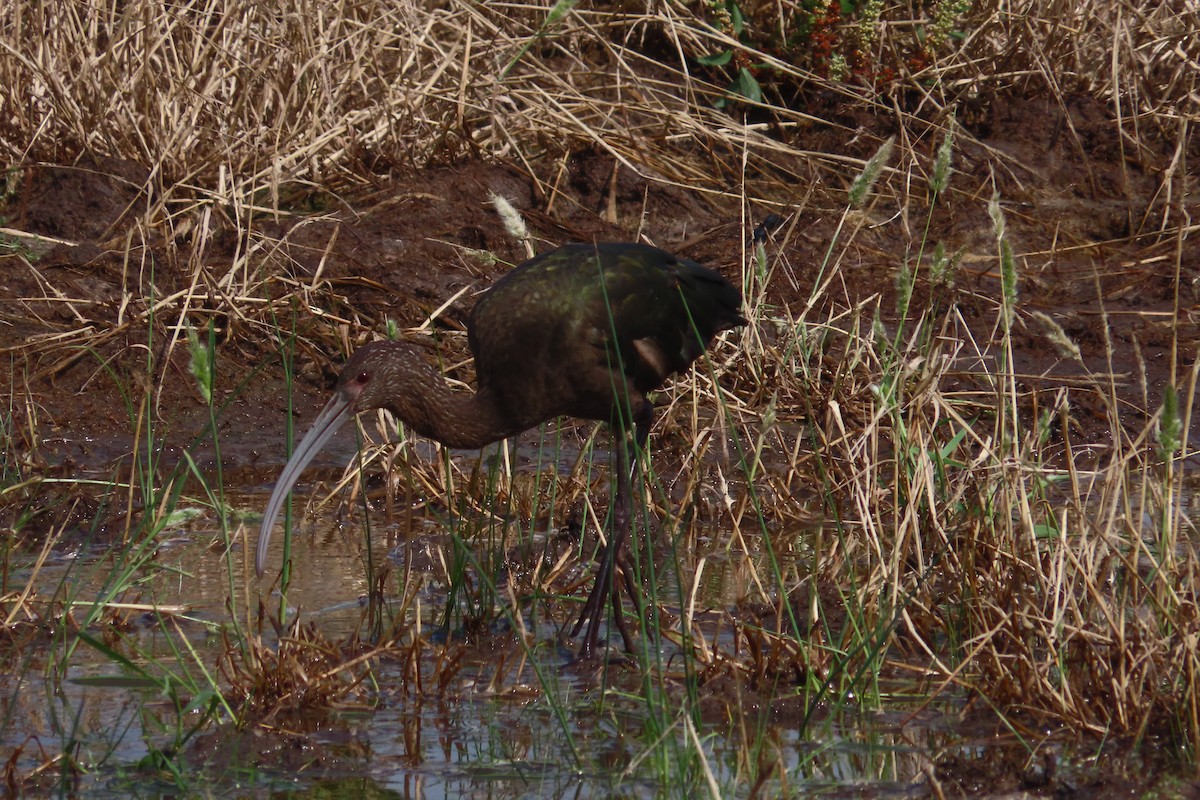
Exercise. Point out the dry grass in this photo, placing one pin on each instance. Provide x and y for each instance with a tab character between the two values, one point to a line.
969	528
302	673
242	101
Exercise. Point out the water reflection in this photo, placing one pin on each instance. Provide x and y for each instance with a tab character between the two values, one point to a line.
502	722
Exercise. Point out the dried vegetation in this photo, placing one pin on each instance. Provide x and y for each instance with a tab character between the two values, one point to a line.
914	471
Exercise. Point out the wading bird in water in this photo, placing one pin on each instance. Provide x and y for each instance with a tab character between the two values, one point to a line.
586	330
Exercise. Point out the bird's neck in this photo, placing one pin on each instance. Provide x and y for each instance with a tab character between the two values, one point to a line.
455	418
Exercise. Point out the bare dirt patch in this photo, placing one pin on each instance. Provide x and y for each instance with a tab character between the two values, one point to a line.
1082	210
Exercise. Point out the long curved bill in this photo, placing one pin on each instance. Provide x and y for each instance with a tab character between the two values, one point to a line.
339	409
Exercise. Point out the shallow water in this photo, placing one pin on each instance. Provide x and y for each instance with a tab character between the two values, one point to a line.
504	722
556	731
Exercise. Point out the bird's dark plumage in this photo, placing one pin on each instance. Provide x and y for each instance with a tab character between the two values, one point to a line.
585	330
551	337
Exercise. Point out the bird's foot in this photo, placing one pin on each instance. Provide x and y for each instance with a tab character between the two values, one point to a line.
593	614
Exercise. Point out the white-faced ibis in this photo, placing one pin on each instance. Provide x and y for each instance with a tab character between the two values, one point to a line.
585	331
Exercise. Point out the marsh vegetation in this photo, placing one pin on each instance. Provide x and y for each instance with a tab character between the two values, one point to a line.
925	524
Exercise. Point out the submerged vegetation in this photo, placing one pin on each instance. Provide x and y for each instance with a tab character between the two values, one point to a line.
944	466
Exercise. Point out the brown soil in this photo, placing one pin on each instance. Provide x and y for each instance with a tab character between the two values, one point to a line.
1082	209
1081	213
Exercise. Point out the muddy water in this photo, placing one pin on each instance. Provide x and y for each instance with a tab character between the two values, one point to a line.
557	735
549	728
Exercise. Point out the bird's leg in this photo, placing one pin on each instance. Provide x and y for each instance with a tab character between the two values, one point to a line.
593	609
630	471
622	506
613	554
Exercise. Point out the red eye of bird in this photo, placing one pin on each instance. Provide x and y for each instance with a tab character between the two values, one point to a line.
363	377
